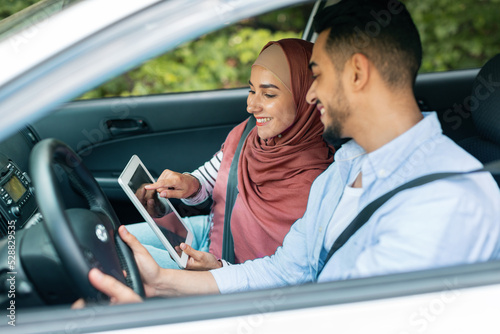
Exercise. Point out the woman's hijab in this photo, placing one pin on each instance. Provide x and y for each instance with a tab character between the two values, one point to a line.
272	173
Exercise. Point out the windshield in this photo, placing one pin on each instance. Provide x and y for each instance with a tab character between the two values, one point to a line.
31	16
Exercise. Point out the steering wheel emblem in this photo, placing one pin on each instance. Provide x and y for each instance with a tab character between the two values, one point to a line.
101	233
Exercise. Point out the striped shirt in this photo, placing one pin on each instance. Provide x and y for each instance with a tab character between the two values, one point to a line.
206	175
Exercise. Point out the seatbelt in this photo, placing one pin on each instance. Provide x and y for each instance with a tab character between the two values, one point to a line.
367	212
231	193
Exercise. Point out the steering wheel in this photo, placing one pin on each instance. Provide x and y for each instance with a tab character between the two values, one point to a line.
83	238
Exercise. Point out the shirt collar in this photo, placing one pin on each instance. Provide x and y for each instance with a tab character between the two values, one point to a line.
347	159
385	160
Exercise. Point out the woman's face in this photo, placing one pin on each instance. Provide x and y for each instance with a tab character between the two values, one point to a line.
270	102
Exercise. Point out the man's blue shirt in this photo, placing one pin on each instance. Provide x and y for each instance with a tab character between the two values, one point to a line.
446	222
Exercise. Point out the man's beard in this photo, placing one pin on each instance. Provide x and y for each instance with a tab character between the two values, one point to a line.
332	135
333	131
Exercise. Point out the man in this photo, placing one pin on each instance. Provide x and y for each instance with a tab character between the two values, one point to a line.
364	63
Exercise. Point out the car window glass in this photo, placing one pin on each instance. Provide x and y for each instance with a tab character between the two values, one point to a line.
219	60
456	34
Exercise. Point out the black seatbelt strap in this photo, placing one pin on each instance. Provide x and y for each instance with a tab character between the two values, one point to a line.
231	193
367	212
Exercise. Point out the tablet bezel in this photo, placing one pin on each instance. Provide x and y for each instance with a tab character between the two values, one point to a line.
124	180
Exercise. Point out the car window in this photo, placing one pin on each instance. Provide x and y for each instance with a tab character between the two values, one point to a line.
219	60
456	34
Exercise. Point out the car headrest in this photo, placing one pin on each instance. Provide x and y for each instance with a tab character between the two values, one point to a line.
485	100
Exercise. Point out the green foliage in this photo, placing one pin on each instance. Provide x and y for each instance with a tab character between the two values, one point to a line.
218	60
10	7
456	34
215	61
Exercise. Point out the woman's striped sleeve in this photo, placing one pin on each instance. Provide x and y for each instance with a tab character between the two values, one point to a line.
206	175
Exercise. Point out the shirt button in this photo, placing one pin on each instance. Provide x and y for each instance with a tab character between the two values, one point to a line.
382	173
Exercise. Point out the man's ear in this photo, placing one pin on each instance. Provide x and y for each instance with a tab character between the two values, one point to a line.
360	68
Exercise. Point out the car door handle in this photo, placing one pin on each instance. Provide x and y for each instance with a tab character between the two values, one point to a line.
119	127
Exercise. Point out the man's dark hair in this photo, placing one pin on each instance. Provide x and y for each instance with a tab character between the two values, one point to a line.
382	30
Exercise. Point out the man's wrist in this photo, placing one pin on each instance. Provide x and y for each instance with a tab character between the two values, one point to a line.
161	286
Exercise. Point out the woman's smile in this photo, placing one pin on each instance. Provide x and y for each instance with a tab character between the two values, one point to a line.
262	120
270	102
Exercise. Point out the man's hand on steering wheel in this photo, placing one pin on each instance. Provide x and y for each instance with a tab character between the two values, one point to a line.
117	291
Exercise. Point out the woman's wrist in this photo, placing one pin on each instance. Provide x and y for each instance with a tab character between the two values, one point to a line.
198	189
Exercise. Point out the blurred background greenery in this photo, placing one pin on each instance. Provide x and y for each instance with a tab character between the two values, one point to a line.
9	7
455	34
195	66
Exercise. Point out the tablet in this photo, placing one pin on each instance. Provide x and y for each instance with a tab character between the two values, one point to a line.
165	221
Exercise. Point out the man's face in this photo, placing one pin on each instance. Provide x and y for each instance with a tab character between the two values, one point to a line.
327	91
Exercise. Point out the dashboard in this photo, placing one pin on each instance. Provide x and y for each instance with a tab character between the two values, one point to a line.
17	197
25	246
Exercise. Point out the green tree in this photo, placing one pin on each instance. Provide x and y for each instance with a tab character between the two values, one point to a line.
10	7
196	66
456	34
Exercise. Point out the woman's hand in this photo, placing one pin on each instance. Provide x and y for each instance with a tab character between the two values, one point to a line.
171	184
150	201
200	260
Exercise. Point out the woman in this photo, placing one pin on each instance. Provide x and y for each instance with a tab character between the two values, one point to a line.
278	162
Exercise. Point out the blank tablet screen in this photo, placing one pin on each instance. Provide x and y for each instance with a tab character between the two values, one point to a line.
169	224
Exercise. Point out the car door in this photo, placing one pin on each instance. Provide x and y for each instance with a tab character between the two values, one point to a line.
177	131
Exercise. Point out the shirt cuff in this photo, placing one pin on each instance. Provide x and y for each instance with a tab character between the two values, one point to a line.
222	279
199	197
224	263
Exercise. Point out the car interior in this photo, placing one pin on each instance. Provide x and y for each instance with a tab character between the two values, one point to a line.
484	143
179	131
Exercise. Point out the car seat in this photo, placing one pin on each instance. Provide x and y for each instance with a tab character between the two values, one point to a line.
485	109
